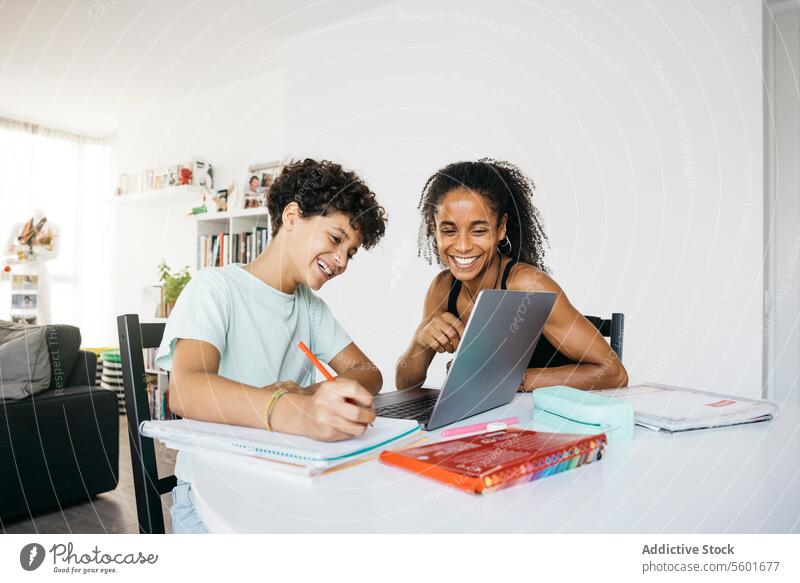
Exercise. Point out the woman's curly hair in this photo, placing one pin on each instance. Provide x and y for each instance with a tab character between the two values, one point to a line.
506	189
322	187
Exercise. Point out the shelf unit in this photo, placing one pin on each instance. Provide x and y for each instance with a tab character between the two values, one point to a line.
227	223
227	215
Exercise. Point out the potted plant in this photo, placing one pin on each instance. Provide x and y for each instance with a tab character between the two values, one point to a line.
172	285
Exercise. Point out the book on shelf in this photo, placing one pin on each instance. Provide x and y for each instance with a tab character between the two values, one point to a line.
158	397
157	387
225	248
150	359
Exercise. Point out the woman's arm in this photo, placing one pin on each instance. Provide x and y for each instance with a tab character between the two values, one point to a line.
573	336
353	364
197	391
412	366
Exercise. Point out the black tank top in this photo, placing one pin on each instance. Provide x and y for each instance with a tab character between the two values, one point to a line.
544	355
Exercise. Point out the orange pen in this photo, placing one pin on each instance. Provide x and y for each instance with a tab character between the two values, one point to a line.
315	361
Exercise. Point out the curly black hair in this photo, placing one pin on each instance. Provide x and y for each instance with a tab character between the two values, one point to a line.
507	190
321	187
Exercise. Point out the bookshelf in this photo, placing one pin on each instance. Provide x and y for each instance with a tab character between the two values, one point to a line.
157	386
230	237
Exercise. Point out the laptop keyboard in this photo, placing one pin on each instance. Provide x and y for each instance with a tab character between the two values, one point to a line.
419	409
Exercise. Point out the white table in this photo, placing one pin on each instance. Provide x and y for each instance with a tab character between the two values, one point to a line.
743	479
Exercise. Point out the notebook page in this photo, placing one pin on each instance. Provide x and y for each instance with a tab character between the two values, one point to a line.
249	440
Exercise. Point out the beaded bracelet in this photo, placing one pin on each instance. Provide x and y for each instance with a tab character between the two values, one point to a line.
271	405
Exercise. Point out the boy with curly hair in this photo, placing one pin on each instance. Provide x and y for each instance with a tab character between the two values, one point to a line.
230	342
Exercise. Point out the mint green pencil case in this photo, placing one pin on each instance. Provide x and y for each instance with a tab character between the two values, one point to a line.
569	410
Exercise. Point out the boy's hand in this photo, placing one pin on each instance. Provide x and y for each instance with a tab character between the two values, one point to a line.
289	386
442	333
339	409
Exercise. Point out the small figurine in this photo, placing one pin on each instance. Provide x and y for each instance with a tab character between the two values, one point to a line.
36	238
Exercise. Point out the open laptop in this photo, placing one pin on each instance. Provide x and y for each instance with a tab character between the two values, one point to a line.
489	363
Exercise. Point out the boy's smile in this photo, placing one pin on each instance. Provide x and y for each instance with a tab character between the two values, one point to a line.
314	250
330	242
326	269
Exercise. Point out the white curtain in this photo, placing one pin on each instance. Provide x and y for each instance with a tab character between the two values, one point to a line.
70	178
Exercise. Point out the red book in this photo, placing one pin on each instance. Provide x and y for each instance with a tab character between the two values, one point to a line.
490	461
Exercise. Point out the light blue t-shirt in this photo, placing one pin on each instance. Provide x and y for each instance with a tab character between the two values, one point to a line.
255	327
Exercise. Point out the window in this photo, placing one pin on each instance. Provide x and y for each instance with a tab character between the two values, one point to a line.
70	178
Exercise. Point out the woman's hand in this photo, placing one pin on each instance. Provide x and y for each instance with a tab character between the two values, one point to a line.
441	333
337	410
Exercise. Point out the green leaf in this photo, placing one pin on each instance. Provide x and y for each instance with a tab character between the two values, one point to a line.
173	283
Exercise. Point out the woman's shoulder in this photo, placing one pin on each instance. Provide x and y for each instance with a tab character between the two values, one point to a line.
441	284
526	277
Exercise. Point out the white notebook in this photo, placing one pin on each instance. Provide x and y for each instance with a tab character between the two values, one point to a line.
667	408
260	443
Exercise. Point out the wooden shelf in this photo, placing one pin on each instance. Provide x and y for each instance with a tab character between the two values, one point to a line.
184	190
227	215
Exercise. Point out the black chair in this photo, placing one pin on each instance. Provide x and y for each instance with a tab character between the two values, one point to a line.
133	339
613	329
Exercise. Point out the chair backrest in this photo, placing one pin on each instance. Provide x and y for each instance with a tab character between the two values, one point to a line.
613	329
133	339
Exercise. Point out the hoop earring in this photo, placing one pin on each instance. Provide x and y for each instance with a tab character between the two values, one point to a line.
505	241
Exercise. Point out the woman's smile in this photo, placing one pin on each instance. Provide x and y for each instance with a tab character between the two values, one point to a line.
465	263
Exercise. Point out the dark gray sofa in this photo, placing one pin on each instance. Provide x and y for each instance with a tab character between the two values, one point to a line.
60	446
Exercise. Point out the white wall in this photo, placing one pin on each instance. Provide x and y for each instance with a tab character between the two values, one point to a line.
231	126
641	125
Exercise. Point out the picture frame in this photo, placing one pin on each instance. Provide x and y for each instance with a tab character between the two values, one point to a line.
173	175
24	283
257	182
25	302
202	174
235	200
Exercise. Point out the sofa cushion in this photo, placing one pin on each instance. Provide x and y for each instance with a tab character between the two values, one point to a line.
24	360
63	345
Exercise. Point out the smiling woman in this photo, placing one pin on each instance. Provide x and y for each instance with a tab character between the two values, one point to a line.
479	221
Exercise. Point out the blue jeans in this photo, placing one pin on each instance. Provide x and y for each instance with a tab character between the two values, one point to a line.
185	519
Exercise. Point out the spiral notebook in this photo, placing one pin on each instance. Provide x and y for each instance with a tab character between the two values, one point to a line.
289	450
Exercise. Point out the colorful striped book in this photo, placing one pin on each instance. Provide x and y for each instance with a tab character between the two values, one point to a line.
499	459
